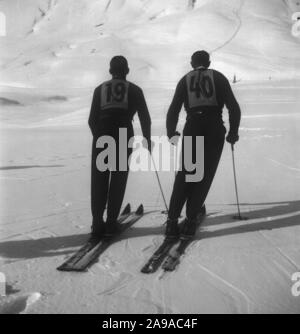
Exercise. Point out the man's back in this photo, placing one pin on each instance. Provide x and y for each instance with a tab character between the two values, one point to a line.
119	100
114	95
204	91
119	97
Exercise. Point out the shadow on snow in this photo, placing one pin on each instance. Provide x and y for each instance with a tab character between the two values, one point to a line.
29	167
259	220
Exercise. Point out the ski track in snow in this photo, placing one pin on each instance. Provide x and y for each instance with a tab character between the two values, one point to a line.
240	23
124	280
246	299
161	308
164	275
228	285
294	169
280	251
163	298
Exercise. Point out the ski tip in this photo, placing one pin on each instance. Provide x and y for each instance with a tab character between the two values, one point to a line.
140	210
62	269
127	210
147	270
70	270
144	271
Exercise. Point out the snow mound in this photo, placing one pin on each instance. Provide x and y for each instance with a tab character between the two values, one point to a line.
17	305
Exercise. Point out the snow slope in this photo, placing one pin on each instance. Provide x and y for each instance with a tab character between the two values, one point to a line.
62	48
63	43
233	267
55	53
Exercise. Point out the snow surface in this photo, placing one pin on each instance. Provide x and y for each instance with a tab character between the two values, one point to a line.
55	53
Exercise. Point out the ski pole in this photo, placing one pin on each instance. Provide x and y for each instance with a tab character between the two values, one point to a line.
159	183
236	187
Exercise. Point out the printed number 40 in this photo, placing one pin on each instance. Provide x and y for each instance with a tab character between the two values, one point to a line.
202	87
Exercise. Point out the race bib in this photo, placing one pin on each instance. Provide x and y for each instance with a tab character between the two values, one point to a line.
114	94
201	89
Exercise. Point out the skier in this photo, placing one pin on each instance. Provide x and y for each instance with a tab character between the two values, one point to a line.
114	105
203	92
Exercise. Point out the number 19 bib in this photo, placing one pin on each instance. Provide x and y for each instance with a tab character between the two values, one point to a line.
114	94
201	89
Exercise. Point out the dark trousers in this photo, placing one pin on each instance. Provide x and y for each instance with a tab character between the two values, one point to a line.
194	194
108	187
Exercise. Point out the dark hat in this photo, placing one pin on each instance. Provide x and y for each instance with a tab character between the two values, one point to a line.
201	58
119	65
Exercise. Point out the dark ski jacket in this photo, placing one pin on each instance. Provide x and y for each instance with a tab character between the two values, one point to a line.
204	91
116	101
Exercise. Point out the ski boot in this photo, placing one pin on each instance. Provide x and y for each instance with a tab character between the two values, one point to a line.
189	229
190	226
172	229
98	230
202	212
112	228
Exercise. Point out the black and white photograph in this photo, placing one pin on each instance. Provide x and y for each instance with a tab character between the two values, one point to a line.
149	159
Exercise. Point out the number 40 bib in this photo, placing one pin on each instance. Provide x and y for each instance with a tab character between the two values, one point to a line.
201	89
114	94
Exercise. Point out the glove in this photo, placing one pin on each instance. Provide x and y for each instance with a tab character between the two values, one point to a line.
174	139
232	138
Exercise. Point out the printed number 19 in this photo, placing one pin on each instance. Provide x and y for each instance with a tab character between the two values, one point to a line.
116	92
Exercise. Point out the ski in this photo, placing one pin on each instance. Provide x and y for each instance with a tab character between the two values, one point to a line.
164	250
174	256
90	244
90	257
158	257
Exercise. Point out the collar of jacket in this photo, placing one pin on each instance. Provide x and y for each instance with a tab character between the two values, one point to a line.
201	68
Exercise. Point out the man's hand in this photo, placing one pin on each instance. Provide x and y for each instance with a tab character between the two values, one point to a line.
175	138
232	138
